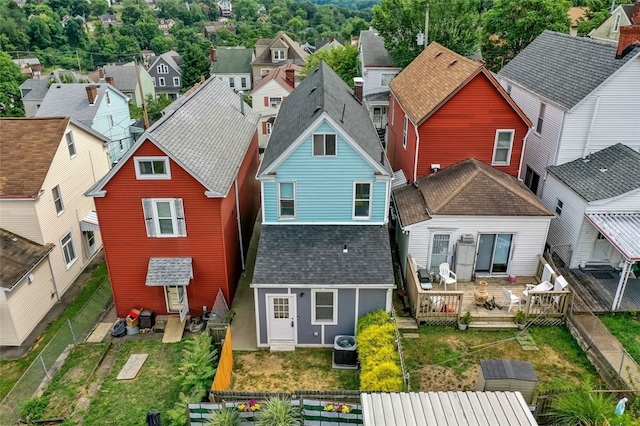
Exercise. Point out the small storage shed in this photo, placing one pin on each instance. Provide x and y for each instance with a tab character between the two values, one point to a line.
507	375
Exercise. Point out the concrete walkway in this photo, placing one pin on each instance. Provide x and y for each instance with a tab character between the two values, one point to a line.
243	327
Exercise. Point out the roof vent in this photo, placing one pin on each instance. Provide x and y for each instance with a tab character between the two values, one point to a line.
58	86
318	108
603	170
453	62
345	249
439	53
313	89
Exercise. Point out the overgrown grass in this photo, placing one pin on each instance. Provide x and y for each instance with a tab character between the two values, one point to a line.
11	370
626	328
126	402
559	361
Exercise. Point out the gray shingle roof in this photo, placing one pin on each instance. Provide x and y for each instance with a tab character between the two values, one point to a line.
322	91
17	257
163	271
124	76
37	89
610	172
313	255
493	369
71	99
374	54
208	134
563	68
236	59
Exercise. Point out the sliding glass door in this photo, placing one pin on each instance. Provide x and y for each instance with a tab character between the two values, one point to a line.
494	252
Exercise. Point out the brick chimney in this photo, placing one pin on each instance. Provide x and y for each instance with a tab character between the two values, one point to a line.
635	17
92	93
101	73
212	54
290	77
111	81
357	88
629	36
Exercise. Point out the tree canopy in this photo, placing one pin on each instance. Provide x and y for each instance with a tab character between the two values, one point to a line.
10	81
342	59
510	25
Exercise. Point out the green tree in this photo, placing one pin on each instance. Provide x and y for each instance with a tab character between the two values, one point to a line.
353	26
194	65
13	26
598	11
74	30
510	25
98	7
161	44
10	81
342	59
452	23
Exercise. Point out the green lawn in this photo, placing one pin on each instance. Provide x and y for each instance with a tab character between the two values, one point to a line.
126	402
11	370
558	362
626	328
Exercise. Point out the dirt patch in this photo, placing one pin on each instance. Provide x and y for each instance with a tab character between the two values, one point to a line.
438	378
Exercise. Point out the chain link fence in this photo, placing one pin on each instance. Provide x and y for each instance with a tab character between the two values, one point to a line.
50	358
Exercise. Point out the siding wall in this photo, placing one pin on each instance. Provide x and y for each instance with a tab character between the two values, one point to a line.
128	249
627	203
605	30
617	118
324	185
531	234
585	245
269	90
399	157
168	88
119	108
465	126
372	79
237	80
20	217
26	305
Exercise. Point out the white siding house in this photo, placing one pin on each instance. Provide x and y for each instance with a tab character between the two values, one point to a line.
577	107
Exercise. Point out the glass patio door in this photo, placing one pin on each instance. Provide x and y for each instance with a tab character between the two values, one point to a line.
494	253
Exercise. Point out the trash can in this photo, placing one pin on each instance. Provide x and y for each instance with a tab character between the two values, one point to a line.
153	418
147	319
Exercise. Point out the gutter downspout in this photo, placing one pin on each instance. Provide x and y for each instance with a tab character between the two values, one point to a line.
524	145
235	185
53	279
593	120
415	163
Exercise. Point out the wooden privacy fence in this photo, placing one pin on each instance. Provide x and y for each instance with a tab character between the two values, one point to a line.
431	306
222	380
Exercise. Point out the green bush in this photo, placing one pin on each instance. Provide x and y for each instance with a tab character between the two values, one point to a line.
34	408
226	416
279	412
583	406
379	358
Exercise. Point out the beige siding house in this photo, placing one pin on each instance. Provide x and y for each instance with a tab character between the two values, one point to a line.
42	203
609	30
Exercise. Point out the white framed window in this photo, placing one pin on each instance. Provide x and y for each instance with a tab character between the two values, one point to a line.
325	307
243	82
232	82
502	147
71	145
176	81
404	131
385	79
616	24
163	69
540	122
362	200
324	145
164	217
112	123
263	71
269	128
286	200
275	102
68	249
161	82
531	180
279	55
559	205
152	168
154	81
57	199
108	97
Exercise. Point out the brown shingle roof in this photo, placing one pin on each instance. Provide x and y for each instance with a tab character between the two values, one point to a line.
17	257
295	52
468	188
23	141
427	82
278	74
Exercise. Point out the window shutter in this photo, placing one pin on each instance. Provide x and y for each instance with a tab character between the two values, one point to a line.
147	208
182	228
266	101
264	127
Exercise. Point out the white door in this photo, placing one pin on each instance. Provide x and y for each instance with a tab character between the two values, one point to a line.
177	300
281	317
90	238
440	251
601	249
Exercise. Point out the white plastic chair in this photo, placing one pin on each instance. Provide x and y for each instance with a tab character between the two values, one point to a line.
543	286
447	276
511	298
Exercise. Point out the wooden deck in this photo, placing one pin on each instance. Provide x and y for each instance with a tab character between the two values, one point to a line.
596	294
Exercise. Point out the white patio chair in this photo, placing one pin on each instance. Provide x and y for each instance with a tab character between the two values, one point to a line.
447	276
510	298
543	286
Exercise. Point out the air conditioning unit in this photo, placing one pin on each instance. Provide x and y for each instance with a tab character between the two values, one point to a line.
467	239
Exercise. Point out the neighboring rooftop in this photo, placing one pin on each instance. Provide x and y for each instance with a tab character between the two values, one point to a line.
279	74
17	257
172	58
605	174
374	54
72	99
124	76
34	89
25	163
322	91
210	143
468	188
295	52
495	369
319	256
565	69
230	60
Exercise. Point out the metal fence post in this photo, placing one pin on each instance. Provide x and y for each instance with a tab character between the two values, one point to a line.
621	363
73	334
45	367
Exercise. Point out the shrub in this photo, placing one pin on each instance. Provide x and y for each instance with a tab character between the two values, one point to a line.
278	412
374	318
384	377
225	417
34	408
584	407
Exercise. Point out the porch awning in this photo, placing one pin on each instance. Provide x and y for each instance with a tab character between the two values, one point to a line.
621	229
165	271
90	222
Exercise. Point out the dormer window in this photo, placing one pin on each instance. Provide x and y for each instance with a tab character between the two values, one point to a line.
279	55
152	168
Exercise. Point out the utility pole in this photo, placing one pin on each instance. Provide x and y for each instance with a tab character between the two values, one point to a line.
144	101
426	27
78	58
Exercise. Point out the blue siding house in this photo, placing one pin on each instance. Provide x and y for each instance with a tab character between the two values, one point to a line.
324	257
100	107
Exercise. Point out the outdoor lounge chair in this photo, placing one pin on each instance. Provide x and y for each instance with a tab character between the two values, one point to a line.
510	298
543	286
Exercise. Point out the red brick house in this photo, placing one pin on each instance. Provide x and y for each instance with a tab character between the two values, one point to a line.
177	211
445	108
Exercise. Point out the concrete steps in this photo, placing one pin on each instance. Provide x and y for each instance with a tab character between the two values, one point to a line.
282	347
406	323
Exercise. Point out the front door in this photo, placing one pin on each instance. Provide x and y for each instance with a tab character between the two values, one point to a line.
440	251
601	249
177	301
281	317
